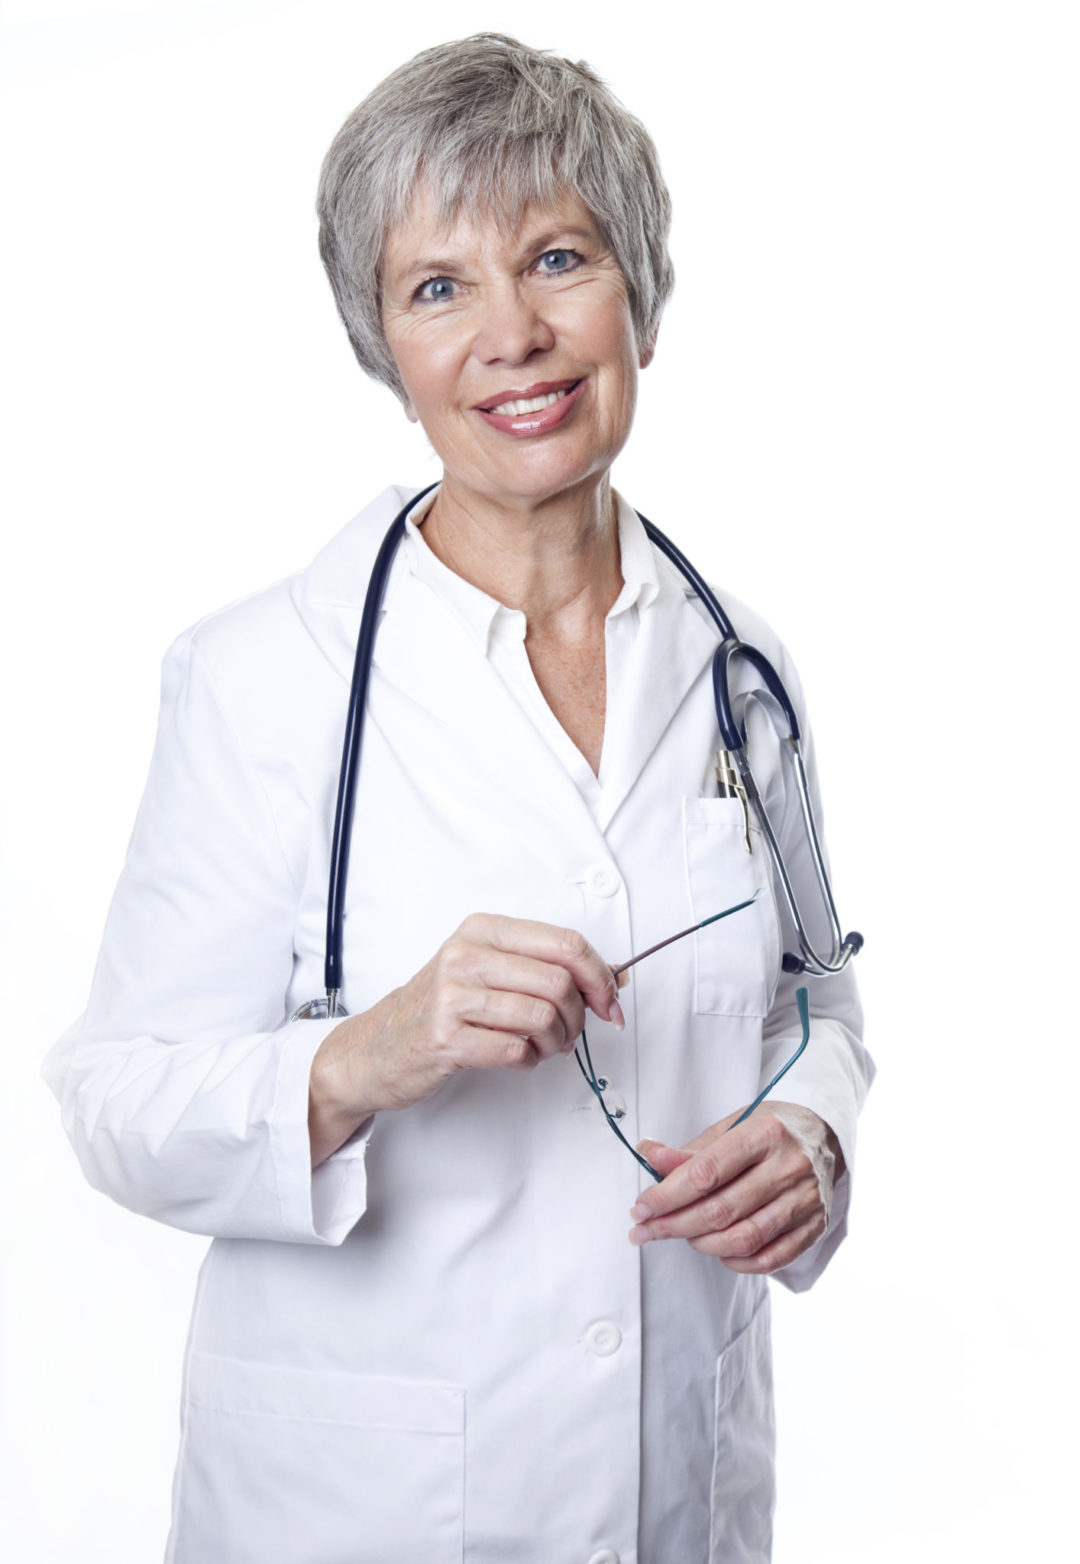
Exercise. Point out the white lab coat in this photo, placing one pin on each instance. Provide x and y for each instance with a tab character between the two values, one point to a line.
440	1345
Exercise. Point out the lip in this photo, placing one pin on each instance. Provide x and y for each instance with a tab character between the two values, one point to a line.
531	423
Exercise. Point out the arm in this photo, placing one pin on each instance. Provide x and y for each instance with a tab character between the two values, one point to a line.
184	1089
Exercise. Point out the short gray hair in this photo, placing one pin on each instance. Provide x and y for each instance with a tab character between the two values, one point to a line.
490	125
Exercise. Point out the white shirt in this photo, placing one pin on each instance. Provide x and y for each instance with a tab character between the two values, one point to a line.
440	1345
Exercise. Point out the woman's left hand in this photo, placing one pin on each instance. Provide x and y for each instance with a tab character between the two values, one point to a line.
756	1197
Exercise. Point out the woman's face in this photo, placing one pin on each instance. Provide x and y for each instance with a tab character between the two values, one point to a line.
517	350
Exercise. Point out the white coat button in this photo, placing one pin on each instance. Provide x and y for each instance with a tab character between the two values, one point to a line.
605	1556
603	880
602	1339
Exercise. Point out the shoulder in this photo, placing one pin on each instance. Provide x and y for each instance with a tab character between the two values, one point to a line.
749	627
753	630
270	626
652	556
294	636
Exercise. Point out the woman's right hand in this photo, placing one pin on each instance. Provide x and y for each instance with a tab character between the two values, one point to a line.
501	993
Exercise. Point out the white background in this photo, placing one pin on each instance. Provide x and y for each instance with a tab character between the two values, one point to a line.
862	419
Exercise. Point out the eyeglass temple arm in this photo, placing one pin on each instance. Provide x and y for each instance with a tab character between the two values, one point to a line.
715	918
802	999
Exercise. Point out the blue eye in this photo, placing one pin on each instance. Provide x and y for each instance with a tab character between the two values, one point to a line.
553	262
436	289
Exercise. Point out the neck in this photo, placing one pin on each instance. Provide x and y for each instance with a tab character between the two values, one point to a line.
547	559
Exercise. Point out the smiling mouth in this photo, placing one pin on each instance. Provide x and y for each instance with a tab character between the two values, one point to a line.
519	407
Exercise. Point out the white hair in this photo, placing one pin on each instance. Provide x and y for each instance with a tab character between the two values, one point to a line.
489	125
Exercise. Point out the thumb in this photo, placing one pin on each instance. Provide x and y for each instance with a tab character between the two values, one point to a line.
665	1159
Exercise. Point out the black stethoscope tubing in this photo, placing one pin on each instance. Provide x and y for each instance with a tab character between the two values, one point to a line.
334	971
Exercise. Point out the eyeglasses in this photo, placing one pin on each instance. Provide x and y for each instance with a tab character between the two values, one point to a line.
599	1083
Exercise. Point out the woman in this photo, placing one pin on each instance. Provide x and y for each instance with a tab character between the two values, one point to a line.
420	1333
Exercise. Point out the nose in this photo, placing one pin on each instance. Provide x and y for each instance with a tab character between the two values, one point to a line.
512	327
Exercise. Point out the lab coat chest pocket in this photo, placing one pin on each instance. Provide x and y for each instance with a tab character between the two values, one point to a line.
287	1466
743	1485
736	960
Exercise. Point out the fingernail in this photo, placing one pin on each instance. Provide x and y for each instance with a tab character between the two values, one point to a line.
616	1017
640	1212
640	1235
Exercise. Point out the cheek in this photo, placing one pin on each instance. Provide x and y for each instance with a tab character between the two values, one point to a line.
416	373
426	370
611	344
624	378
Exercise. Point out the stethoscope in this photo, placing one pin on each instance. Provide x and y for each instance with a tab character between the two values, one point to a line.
735	779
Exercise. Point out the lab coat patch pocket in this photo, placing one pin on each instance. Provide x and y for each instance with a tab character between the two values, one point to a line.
743	1487
287	1466
736	960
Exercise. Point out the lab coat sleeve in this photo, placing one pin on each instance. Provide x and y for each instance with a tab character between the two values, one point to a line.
184	1088
834	1073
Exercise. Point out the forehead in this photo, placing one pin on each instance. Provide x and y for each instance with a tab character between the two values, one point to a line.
427	234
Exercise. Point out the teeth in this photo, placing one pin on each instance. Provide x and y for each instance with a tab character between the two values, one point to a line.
532	404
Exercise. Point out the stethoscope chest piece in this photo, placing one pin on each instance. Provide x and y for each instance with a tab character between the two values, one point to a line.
326	1008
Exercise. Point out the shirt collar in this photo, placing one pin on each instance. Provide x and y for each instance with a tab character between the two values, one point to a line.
480	613
641	582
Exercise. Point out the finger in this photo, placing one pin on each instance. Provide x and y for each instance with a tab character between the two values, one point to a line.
561	947
788	1246
747	1239
744	1215
724	1208
722	1158
481	1048
665	1159
499	1010
540	980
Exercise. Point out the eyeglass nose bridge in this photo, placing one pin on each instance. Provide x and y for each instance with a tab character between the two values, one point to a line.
615	1110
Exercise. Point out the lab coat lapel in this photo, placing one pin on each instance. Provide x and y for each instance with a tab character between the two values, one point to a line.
672	650
329	595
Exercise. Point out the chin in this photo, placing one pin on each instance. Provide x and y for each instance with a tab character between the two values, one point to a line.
538	480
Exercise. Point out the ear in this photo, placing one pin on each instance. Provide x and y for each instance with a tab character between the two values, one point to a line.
410	411
646	353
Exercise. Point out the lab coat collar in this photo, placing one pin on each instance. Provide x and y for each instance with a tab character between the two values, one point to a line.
429	656
338	575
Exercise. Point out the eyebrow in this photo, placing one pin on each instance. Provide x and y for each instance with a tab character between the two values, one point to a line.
538	243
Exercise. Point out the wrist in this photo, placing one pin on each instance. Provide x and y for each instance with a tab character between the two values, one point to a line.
340	1094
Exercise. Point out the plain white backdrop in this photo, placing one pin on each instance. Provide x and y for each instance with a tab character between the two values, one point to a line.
862	418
